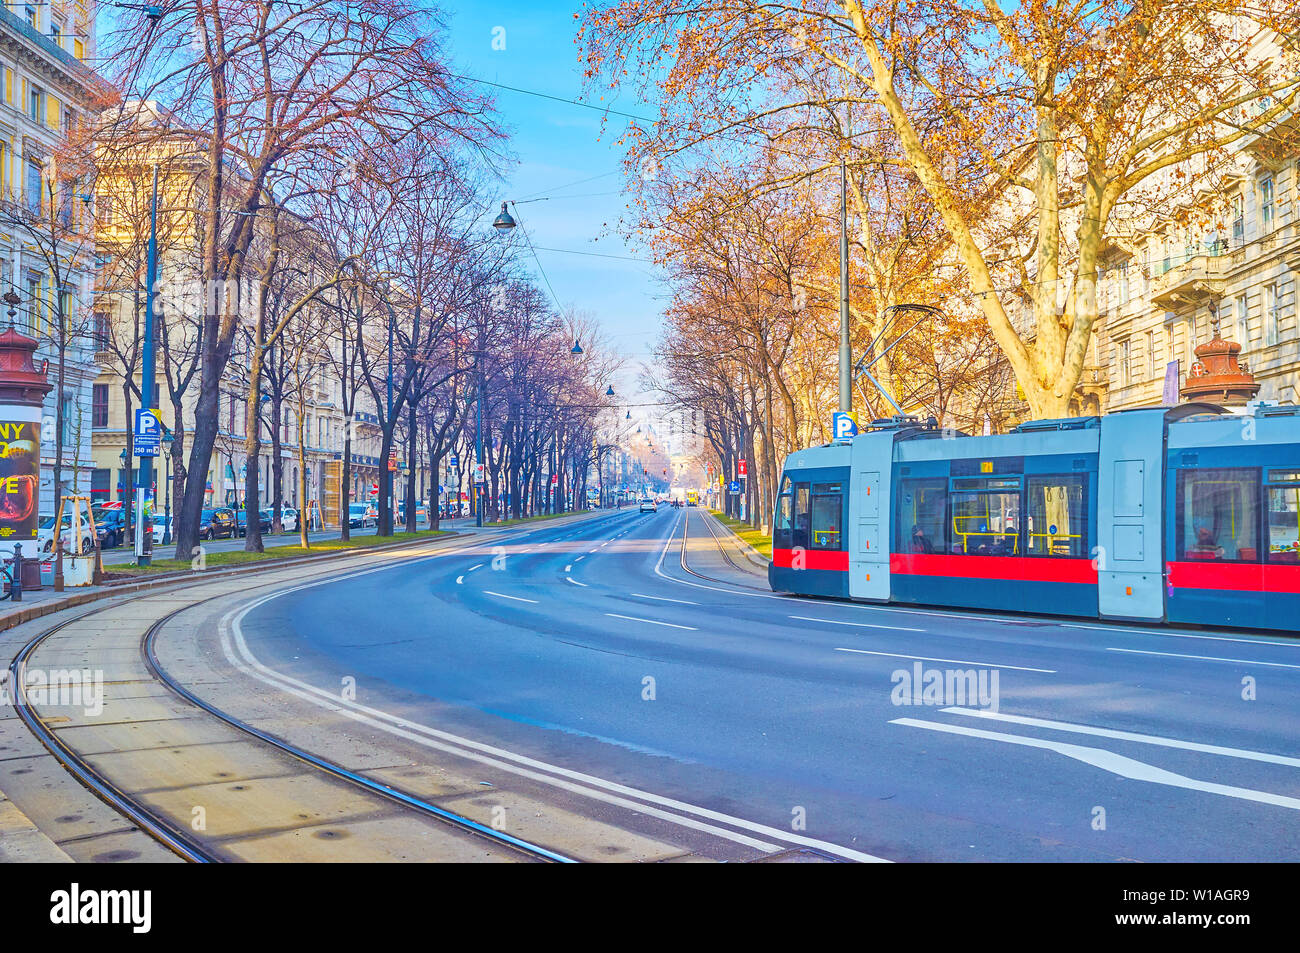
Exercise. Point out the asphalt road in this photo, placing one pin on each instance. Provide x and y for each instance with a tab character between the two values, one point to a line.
588	646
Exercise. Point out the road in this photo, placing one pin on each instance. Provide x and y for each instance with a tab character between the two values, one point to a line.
591	649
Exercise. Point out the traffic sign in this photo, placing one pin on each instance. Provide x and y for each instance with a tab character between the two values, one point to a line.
844	424
734	488
148	433
455	460
555	479
741	467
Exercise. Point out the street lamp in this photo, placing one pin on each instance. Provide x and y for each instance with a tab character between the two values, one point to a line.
503	222
577	348
167	440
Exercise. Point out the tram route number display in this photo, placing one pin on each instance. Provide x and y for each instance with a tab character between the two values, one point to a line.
20	474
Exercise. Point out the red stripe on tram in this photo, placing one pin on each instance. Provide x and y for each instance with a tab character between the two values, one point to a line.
1234	577
835	561
1015	568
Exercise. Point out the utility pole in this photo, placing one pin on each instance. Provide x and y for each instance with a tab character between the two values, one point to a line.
846	383
392	426
148	370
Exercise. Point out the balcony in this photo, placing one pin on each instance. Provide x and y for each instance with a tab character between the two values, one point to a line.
1200	277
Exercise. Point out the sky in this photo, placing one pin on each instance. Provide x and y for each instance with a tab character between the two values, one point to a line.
563	159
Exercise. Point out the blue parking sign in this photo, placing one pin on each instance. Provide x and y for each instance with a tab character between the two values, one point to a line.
148	433
843	425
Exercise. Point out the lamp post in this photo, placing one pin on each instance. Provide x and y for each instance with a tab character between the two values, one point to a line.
846	385
167	440
502	223
148	371
125	457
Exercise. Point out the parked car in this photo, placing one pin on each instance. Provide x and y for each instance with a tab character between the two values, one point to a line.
45	534
160	528
362	514
217	523
241	521
421	513
289	519
110	527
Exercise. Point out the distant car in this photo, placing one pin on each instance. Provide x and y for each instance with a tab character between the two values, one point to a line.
263	521
362	514
421	513
217	523
649	506
45	534
110	527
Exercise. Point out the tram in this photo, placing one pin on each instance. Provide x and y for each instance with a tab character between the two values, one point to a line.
1189	514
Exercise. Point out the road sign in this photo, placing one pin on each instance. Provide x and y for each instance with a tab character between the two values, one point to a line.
741	467
148	433
479	473
555	479
734	488
844	424
455	460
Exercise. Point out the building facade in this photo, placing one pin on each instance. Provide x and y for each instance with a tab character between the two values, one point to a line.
46	245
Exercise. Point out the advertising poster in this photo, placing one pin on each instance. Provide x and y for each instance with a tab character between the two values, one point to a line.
20	476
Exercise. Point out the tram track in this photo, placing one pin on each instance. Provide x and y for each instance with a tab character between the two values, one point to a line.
177	836
686	521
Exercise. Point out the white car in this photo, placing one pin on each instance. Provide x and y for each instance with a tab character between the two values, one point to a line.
289	519
649	506
159	529
45	535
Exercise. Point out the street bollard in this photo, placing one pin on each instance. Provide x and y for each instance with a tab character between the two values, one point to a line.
16	583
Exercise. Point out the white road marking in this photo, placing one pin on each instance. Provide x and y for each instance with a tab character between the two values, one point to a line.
1244	753
1114	763
860	625
479	566
502	595
578	558
575	582
584	784
1179	635
680	602
568	568
460	580
671	625
954	661
1204	658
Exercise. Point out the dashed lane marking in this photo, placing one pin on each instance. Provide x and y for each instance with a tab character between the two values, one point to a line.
859	625
502	595
1203	658
954	661
671	625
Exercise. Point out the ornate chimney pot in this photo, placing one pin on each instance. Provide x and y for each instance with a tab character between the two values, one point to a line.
1217	377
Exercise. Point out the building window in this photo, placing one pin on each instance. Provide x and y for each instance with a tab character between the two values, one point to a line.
1122	284
35	306
35	100
1266	203
99	405
32	17
56	33
1122	361
33	186
1243	321
71	421
1271	313
100	330
1238	221
1151	355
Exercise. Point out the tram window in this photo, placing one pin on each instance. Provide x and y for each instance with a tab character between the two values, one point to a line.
1058	515
782	523
922	517
985	524
1284	524
1217	514
799	534
827	514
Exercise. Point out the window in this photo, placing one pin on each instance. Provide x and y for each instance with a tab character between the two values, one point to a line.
1058	515
1122	283
33	186
99	405
1243	321
1266	203
71	421
783	523
1271	313
30	13
100	330
799	535
1151	355
1238	220
35	306
922	517
827	515
1284	516
35	100
1217	515
986	517
56	33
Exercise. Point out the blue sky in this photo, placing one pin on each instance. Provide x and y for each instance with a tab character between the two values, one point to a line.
557	146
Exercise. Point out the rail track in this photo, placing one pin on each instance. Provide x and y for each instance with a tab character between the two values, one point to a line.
686	521
176	835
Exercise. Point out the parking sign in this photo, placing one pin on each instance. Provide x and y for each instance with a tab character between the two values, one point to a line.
148	433
844	425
